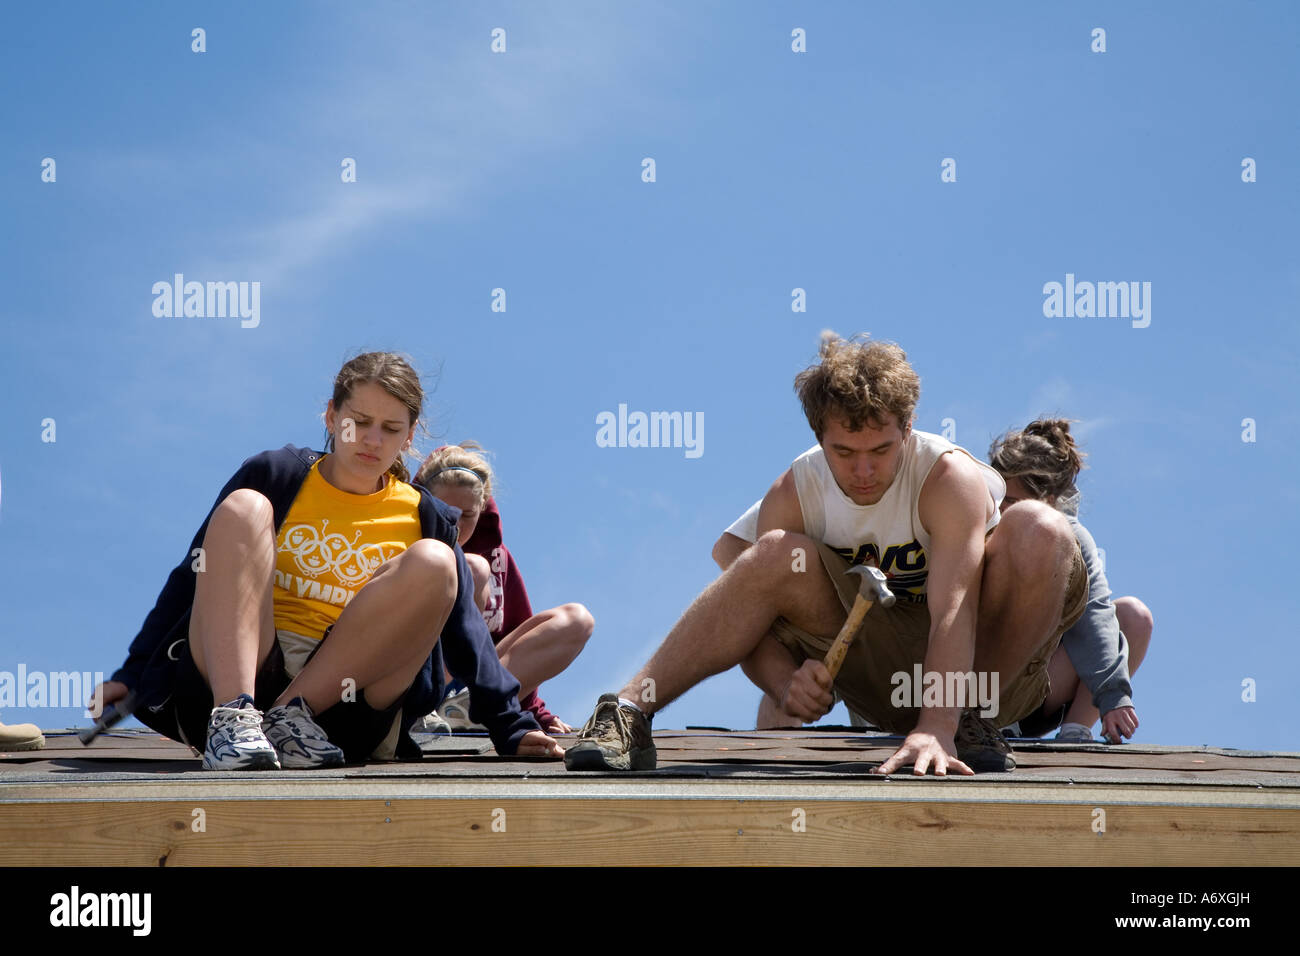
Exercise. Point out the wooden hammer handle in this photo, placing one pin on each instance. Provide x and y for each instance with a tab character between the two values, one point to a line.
835	656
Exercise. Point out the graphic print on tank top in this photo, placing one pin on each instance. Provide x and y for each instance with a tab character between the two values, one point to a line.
888	534
903	565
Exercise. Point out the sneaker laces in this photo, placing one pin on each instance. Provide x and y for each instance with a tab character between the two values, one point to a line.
602	718
241	723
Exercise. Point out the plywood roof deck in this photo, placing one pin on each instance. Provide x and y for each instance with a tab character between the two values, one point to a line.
718	797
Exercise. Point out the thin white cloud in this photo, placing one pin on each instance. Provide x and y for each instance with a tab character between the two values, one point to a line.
1056	398
1088	428
1051	398
435	120
285	248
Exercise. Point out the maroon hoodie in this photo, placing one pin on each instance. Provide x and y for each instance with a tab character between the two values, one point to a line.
507	605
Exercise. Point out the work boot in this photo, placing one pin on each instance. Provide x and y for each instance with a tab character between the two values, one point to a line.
981	746
21	737
617	737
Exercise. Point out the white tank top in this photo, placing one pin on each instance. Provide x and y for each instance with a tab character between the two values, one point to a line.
887	534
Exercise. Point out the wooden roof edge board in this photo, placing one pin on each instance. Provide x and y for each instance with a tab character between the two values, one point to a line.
743	772
1029	745
675	832
703	790
1118	781
45	790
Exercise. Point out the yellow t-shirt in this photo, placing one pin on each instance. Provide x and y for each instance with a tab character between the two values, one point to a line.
330	544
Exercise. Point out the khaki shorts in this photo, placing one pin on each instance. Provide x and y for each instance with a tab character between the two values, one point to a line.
894	640
297	650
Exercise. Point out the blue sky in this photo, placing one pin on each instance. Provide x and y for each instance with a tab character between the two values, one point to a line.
775	170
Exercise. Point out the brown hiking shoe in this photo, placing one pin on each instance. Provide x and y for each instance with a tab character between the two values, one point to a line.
21	737
617	737
981	746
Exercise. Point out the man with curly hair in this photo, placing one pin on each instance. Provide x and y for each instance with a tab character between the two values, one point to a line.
983	597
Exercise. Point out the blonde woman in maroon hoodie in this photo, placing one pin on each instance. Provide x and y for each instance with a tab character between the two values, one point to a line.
533	647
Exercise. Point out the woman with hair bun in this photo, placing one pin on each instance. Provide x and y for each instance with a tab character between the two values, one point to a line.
1090	671
326	591
532	647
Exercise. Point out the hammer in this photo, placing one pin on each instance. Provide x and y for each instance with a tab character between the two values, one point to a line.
872	587
109	716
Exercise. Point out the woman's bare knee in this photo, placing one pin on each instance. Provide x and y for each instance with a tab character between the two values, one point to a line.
1137	623
482	571
1134	618
577	622
480	568
428	568
429	555
247	507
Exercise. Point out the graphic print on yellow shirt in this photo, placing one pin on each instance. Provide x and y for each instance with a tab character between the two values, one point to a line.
330	544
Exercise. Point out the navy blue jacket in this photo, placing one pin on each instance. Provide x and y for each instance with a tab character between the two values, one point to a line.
150	670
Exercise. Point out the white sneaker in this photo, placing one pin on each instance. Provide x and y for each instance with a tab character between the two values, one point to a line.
1075	734
432	725
235	738
455	712
299	740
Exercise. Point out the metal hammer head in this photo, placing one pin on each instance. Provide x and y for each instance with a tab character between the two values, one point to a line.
874	585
